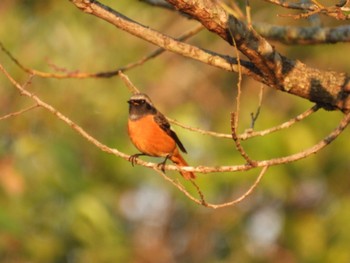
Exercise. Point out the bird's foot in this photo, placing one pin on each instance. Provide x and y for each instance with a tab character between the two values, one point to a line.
161	165
133	158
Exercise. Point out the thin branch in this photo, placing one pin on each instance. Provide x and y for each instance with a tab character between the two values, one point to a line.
13	114
301	5
245	195
248	13
333	11
249	133
201	195
132	88
315	7
202	201
159	3
104	74
235	138
190	33
200	131
235	115
254	116
239	88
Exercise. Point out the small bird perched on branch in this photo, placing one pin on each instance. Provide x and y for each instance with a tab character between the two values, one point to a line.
150	132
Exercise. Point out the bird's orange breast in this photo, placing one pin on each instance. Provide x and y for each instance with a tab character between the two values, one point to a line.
149	137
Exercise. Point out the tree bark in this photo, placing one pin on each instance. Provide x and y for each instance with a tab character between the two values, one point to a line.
329	89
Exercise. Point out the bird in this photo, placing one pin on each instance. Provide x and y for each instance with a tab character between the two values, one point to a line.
151	134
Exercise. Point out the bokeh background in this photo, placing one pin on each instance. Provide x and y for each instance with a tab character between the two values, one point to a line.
64	200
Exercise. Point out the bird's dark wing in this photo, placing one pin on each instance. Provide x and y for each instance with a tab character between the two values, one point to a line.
165	125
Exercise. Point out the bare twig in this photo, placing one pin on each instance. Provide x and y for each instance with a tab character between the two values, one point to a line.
248	13
13	114
104	74
201	201
254	116
132	88
299	5
246	194
336	11
315	6
333	13
250	133
201	195
235	115
235	138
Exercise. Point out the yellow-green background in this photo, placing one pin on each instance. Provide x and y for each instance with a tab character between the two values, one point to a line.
64	200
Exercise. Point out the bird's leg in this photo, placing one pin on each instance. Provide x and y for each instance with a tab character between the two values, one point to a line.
162	164
133	157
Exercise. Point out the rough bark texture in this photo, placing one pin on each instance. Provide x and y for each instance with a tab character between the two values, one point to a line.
327	88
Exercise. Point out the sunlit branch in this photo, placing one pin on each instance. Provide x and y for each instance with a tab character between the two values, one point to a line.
132	88
203	202
249	133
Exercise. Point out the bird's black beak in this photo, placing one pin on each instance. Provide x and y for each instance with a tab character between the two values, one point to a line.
133	102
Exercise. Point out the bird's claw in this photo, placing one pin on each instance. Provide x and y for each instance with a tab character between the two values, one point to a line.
133	158
161	165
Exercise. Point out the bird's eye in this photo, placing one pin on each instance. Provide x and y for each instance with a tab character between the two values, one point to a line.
142	101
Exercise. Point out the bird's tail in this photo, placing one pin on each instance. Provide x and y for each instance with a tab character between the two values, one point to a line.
180	161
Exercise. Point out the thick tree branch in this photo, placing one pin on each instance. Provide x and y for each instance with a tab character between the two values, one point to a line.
327	88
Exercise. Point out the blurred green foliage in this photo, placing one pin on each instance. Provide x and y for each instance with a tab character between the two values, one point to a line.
63	200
